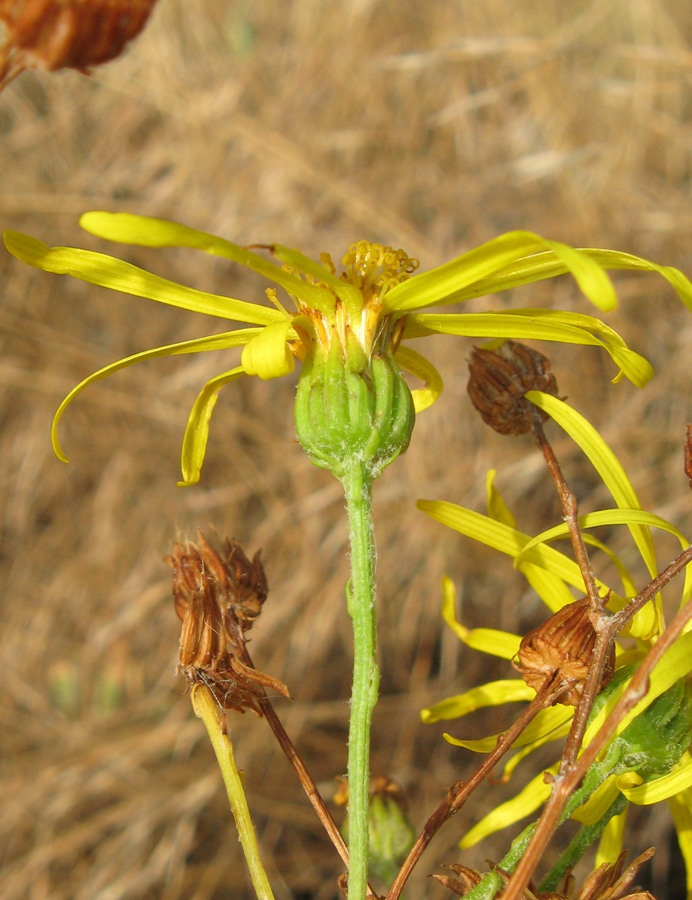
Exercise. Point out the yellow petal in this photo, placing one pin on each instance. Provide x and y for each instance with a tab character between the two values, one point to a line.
422	368
521	325
525	802
495	693
489	640
681	811
505	539
542	729
497	508
145	231
604	461
97	268
598	803
197	345
197	430
675	782
268	355
444	284
610	845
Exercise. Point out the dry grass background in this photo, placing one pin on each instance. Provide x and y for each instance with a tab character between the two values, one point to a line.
433	126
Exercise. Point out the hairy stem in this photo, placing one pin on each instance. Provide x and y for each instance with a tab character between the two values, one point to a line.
360	594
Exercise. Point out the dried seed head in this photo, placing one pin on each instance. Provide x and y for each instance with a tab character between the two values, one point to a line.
560	650
75	34
500	378
218	595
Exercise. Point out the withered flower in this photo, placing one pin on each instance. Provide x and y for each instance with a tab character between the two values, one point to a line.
561	648
75	34
608	882
218	595
500	378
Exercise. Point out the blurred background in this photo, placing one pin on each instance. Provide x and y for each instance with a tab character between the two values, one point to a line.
314	123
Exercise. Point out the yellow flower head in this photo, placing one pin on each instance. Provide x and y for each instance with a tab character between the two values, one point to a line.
657	772
370	309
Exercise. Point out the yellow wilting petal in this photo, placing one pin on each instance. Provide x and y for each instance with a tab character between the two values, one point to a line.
488	640
505	539
197	430
268	355
105	271
610	845
681	811
497	508
495	693
675	782
604	461
145	231
561	730
539	731
197	345
445	283
526	801
518	326
598	803
422	368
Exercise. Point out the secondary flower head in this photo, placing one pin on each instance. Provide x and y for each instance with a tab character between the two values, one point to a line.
649	759
361	317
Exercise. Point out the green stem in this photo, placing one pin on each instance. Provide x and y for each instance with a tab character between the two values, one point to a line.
207	710
360	595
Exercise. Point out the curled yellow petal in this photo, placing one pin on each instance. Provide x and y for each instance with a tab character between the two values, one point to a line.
488	640
197	345
423	369
268	355
543	728
197	430
495	693
675	782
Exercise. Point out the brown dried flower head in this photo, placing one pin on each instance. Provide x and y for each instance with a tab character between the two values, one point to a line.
75	34
608	882
218	595
560	650
499	380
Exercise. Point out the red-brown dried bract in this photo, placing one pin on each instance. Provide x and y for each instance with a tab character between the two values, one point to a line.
218	594
75	34
608	882
499	380
560	649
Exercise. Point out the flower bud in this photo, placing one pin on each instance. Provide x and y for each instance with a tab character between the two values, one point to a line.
343	415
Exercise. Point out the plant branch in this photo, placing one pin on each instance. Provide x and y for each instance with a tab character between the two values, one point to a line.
571	773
